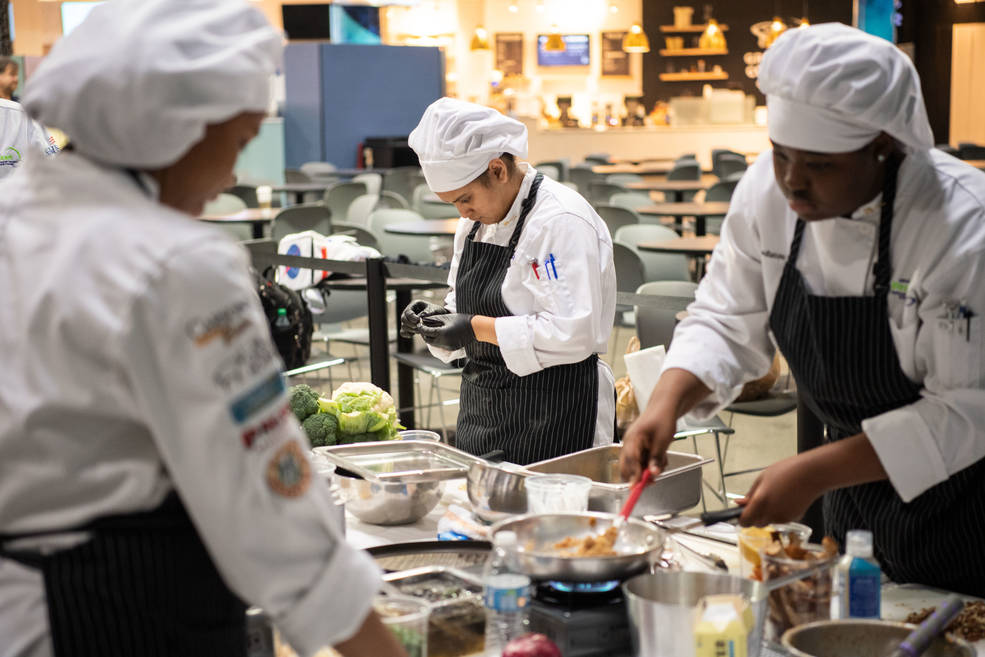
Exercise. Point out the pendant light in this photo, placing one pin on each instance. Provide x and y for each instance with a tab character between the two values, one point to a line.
480	39
636	40
554	41
777	27
803	17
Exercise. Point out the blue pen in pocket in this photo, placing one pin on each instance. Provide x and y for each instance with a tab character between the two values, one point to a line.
553	267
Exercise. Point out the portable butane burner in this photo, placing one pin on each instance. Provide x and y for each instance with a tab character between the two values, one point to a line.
584	619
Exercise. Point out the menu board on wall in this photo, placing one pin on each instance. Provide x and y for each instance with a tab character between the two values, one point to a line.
615	60
509	52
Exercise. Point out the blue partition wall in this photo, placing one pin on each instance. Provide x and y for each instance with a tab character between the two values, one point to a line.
340	94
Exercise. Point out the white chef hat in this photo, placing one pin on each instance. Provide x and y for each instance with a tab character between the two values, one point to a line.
455	142
138	81
831	88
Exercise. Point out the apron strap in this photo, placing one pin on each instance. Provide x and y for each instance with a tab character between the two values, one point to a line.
525	207
883	267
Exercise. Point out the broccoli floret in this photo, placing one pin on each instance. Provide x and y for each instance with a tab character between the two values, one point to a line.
321	429
304	401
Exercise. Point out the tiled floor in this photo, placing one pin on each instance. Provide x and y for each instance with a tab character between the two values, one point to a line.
756	442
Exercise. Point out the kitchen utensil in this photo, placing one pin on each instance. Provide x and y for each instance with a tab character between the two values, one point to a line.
557	493
863	638
917	641
403	461
676	489
706	518
622	544
661	607
388	503
497	491
537	557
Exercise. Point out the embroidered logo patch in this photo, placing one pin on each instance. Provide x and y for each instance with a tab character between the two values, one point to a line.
288	472
226	323
255	399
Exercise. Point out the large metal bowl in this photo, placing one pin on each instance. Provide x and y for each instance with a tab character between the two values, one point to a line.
661	609
381	503
863	638
537	557
497	491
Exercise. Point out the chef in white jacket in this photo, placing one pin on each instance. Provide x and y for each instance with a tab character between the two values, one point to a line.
20	138
532	296
153	480
858	250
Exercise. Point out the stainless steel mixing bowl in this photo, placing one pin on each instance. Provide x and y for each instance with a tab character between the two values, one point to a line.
863	638
395	503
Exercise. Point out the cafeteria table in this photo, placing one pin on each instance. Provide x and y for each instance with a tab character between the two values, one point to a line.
642	169
674	188
257	217
299	189
424	228
978	164
698	248
700	211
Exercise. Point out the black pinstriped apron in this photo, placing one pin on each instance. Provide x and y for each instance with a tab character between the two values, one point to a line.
842	355
535	417
143	586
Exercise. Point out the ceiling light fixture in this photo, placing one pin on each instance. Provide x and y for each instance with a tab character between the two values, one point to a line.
554	41
636	40
480	39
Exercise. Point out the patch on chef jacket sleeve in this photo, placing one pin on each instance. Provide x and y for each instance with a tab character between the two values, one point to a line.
288	471
225	324
250	402
265	431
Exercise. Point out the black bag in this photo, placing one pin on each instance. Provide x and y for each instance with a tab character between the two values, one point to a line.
291	330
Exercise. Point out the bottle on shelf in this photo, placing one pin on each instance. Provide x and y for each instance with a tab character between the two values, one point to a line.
595	115
506	594
857	579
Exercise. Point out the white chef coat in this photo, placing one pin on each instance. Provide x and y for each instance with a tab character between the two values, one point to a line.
20	138
553	321
938	257
131	339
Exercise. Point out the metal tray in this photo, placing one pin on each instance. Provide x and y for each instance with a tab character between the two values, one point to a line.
677	489
400	461
415	583
462	555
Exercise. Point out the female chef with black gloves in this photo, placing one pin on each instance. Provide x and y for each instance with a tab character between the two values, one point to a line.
153	480
532	296
857	250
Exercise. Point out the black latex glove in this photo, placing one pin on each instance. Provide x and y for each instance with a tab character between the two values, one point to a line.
410	320
451	331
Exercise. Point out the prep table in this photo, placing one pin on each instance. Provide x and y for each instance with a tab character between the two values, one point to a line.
897	600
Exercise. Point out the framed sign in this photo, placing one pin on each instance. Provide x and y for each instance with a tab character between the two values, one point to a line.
509	52
615	60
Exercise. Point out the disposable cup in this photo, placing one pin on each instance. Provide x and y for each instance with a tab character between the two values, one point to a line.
557	493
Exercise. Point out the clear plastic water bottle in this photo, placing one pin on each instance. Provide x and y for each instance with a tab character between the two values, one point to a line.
858	578
283	322
506	595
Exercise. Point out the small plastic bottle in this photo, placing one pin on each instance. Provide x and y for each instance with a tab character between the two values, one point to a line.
282	322
506	595
858	578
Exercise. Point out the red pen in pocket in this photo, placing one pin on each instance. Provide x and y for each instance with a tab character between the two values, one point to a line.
533	264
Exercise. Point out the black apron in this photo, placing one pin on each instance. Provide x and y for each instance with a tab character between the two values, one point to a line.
535	417
842	355
144	585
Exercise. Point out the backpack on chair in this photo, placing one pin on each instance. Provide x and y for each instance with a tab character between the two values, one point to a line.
291	330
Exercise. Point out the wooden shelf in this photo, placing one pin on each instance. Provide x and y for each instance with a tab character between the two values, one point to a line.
692	77
692	52
690	28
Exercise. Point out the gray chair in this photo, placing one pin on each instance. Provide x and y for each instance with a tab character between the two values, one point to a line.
729	164
582	175
600	192
970	151
632	200
403	180
373	181
431	209
299	218
320	171
658	266
246	193
392	199
339	196
598	158
561	166
616	217
224	204
360	209
623	178
363	236
424	363
720	191
417	248
685	170
549	171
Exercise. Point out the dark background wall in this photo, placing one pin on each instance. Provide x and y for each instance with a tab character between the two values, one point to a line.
927	24
739	15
